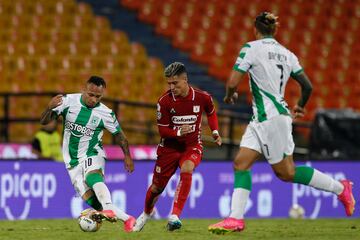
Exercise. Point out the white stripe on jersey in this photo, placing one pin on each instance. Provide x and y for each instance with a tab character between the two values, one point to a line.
83	128
269	65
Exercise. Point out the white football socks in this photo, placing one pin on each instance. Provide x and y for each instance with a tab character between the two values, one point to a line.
104	197
324	182
238	202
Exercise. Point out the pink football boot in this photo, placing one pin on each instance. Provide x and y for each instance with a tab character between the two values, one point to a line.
227	225
108	215
347	198
129	224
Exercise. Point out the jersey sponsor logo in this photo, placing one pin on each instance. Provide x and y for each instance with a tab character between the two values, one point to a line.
196	108
187	119
193	127
78	130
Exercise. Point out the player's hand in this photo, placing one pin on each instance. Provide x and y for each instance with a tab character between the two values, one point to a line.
55	101
185	129
232	99
128	164
217	139
298	112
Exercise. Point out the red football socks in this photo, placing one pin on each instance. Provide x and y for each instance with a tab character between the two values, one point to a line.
150	200
182	193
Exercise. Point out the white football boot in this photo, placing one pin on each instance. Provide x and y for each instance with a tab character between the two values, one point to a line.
141	221
174	223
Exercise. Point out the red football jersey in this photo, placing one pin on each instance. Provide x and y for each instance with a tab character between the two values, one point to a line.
174	111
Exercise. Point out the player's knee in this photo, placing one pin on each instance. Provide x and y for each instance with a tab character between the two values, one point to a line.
156	189
187	167
287	176
239	165
93	178
187	170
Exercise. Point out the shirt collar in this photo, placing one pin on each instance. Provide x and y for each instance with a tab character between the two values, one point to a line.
190	96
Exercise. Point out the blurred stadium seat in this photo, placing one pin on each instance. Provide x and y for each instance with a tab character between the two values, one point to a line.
213	32
56	45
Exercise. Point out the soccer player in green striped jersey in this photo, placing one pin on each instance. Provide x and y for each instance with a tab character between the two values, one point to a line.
269	65
84	119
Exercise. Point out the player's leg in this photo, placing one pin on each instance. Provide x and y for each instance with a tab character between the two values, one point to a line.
152	195
190	159
90	198
165	167
94	178
88	195
286	171
188	162
242	188
250	151
279	154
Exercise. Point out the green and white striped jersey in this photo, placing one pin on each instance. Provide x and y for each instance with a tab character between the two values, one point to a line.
83	128
269	65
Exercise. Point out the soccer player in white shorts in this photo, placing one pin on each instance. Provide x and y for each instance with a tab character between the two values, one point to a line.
85	118
269	65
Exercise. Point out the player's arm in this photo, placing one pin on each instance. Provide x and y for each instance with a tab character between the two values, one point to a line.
121	140
49	114
213	120
232	85
241	66
167	132
306	89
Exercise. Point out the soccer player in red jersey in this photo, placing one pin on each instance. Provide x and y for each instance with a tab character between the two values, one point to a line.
179	113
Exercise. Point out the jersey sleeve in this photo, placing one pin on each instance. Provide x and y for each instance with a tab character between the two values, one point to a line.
244	60
295	65
111	123
209	105
163	117
60	109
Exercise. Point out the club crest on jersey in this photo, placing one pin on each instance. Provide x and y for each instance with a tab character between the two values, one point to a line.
196	109
172	110
94	121
158	169
158	115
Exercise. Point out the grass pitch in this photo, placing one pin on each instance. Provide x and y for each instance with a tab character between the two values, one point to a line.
194	229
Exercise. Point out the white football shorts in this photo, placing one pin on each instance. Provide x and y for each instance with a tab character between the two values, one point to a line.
273	138
78	173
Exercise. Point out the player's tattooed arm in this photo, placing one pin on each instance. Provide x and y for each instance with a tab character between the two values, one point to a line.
49	114
306	88
121	139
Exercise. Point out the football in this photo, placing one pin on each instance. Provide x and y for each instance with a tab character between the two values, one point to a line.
296	212
88	225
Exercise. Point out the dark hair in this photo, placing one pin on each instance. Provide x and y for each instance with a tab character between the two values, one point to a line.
176	68
266	23
98	81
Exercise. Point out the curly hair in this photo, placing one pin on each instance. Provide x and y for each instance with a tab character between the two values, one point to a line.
174	69
98	81
266	23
